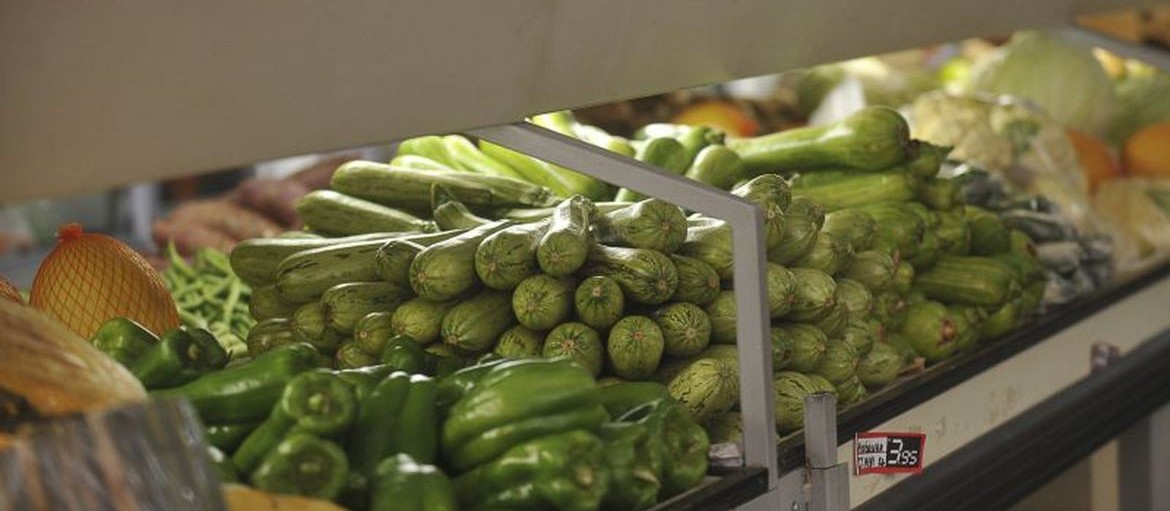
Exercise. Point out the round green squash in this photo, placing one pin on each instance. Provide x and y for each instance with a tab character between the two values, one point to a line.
599	302
839	362
816	294
806	345
858	300
541	302
830	254
686	329
789	390
880	366
578	342
519	342
634	347
874	269
721	312
851	391
781	289
931	330
855	227
697	281
863	334
706	387
833	323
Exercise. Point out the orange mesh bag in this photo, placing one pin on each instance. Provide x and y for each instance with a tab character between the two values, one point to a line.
90	278
9	291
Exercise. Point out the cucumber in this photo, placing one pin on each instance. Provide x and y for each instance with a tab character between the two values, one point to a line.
721	313
265	303
465	155
600	138
651	224
337	214
269	334
392	260
519	342
255	260
856	190
718	166
420	319
816	295
685	327
805	345
345	304
856	227
771	193
410	189
578	342
646	276
428	146
709	240
599	302
697	281
564	247
302	277
474	324
873	138
634	347
874	269
372	331
508	256
830	254
541	302
665	153
446	269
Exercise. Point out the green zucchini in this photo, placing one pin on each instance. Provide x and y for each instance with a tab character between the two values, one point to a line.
308	322
565	245
686	329
255	260
880	366
953	233
578	342
337	214
269	334
634	347
698	138
303	276
372	331
474	324
705	387
859	190
862	334
939	194
802	225
414	161
420	319
857	298
721	313
465	155
834	321
929	250
446	269
453	214
839	363
982	281
601	138
665	153
265	303
430	147
599	302
345	304
392	260
781	285
931	330
805	345
508	256
537	214
646	276
561	181
871	139
771	193
411	188
651	224
874	269
697	281
541	302
718	166
899	227
830	254
709	240
989	235
816	295
853	226
519	342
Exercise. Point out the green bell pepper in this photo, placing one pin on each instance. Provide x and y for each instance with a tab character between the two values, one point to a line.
495	441
303	464
516	390
404	354
369	439
636	462
364	379
565	471
622	397
124	340
416	431
248	392
227	437
402	483
317	403
682	441
181	355
455	385
223	465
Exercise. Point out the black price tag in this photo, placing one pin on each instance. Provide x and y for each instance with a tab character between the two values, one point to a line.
888	453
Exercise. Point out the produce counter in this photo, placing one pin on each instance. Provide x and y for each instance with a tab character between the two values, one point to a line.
856	261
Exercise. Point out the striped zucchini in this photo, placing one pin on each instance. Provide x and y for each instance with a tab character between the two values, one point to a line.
337	214
508	256
430	147
302	277
646	276
414	161
447	269
467	156
563	249
394	257
411	188
665	153
344	304
651	224
255	260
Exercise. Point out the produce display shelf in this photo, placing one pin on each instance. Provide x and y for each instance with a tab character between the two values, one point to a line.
936	380
725	488
1011	461
162	90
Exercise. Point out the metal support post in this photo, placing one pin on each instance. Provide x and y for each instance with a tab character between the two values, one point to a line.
1145	463
829	480
747	224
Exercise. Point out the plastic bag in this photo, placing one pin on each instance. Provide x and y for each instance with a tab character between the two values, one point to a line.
1137	212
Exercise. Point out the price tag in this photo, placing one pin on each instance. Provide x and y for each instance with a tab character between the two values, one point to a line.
888	453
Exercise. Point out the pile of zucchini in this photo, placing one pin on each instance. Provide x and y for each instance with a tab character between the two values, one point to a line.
873	262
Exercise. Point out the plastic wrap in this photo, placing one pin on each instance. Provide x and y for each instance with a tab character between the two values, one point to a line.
1137	211
136	457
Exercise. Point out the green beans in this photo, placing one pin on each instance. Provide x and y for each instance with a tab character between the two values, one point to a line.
209	295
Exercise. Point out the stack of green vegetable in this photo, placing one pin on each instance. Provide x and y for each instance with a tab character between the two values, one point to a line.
210	296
